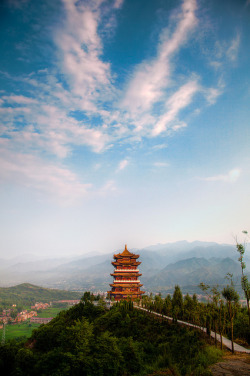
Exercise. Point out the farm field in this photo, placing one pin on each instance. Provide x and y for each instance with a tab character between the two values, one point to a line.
50	312
24	329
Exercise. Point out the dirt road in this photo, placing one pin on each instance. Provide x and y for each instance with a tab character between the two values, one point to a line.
232	365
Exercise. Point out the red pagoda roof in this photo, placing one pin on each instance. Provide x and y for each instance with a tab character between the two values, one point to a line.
126	253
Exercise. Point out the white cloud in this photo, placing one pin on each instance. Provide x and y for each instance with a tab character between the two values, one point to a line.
232	52
216	64
19	99
14	110
179	100
151	78
160	146
80	48
231	177
45	177
50	129
212	94
151	105
122	165
118	4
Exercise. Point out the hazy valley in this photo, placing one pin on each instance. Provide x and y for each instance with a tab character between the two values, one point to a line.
162	267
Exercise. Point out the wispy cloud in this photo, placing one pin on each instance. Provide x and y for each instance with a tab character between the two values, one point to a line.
159	146
18	99
73	104
80	48
122	165
118	4
179	100
14	110
45	177
151	78
231	177
232	52
212	93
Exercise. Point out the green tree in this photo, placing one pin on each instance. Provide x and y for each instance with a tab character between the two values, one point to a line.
168	305
232	298
86	297
244	280
177	303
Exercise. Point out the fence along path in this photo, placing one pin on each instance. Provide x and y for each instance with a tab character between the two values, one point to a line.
226	342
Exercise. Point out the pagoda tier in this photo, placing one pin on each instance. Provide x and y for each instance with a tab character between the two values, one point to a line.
126	284
124	276
123	263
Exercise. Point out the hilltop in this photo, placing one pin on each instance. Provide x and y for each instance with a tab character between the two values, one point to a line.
27	293
90	340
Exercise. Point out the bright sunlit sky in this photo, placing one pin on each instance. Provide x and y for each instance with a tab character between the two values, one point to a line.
123	122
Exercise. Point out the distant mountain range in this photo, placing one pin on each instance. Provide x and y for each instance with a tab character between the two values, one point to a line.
162	267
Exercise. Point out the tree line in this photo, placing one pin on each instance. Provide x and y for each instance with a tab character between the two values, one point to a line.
91	340
222	312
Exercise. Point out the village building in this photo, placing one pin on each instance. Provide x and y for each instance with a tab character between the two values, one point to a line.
38	306
126	284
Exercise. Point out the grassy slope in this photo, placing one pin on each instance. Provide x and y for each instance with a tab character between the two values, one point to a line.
27	293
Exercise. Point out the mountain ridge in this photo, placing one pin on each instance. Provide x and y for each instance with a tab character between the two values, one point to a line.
160	267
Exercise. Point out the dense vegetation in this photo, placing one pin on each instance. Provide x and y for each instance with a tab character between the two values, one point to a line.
27	294
89	340
222	313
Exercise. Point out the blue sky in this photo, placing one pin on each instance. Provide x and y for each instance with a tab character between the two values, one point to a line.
123	121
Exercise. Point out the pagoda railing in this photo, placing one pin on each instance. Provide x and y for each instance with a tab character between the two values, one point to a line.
126	280
126	270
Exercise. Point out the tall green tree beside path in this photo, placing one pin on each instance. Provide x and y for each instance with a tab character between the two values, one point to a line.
244	280
216	308
232	298
177	303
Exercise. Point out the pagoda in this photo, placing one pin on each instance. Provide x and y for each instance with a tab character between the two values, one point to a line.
126	284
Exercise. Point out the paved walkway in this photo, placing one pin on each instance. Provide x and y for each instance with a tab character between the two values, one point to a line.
226	342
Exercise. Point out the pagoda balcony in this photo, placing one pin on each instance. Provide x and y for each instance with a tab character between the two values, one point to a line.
123	262
127	275
126	285
127	270
126	280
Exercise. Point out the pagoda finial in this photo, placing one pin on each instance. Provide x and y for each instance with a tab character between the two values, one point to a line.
125	247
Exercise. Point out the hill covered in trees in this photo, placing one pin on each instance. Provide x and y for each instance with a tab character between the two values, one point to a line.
89	340
27	293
